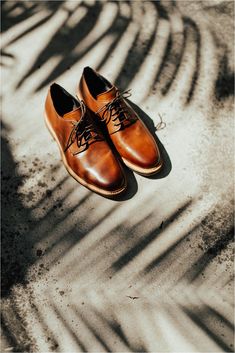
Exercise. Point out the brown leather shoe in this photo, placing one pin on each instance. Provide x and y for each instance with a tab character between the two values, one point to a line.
133	141
84	151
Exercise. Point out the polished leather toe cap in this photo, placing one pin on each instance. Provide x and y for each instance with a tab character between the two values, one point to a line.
138	149
142	161
103	175
110	179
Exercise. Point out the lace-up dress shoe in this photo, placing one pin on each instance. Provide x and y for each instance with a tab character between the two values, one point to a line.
131	138
84	151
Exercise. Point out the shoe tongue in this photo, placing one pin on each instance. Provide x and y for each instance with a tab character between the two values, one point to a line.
107	95
74	115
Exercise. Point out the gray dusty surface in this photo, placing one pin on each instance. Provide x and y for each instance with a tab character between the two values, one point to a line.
152	271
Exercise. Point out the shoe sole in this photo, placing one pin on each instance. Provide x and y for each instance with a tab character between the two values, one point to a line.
74	175
143	171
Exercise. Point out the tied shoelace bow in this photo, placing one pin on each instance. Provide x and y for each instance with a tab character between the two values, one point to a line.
115	110
82	132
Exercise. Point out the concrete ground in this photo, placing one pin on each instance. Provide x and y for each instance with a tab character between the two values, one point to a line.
153	270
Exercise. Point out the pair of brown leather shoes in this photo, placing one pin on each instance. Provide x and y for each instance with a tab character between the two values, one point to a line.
87	130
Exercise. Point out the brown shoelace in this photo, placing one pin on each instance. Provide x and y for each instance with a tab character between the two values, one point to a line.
116	112
82	132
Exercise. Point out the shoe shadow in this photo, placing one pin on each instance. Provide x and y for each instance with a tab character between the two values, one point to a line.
132	186
167	166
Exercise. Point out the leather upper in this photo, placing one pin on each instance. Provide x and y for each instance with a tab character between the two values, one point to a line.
131	138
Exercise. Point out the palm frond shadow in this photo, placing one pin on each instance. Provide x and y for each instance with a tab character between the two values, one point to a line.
188	22
147	239
20	230
172	56
224	86
14	329
110	324
201	319
25	11
7	59
204	313
12	340
64	43
209	255
135	58
70	37
8	20
67	38
25	241
18	226
14	218
213	245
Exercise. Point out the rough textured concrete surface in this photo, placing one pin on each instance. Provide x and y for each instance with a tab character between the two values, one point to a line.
153	270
